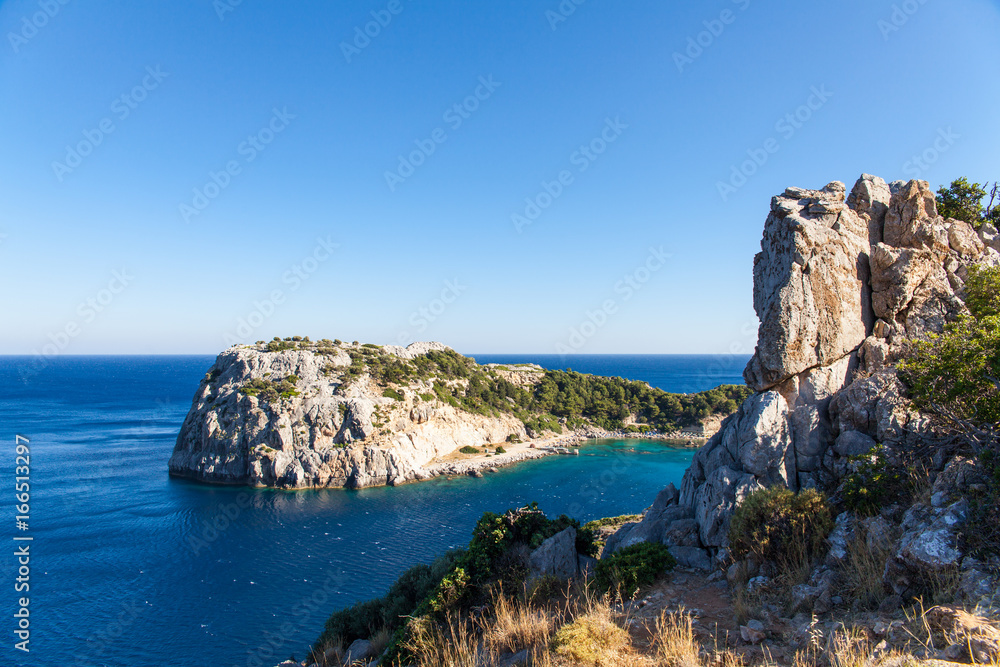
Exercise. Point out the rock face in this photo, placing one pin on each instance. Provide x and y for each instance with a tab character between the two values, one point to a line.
338	431
840	285
556	556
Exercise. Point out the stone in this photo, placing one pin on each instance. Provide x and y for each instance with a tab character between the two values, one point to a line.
555	557
989	236
520	659
840	538
753	632
692	557
870	200
359	650
854	443
715	501
964	240
809	289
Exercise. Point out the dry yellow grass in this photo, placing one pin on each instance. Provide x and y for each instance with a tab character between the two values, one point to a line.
674	640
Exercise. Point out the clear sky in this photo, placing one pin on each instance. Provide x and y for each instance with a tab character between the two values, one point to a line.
176	175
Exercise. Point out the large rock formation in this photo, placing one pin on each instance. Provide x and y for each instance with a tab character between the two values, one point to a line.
338	431
840	286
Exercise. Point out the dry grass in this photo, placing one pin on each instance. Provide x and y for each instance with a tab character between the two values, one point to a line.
594	639
674	640
517	625
455	645
862	574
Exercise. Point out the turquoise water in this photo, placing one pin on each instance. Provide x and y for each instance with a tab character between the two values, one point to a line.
131	567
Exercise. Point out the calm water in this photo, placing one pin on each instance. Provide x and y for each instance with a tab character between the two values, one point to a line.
678	373
119	576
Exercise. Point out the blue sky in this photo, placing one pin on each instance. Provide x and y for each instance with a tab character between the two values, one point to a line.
635	251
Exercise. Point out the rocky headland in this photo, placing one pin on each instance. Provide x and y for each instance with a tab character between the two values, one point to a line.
298	414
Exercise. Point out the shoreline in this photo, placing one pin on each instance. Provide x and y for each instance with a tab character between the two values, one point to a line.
456	465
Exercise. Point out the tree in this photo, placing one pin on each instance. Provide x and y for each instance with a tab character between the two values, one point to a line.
964	201
958	371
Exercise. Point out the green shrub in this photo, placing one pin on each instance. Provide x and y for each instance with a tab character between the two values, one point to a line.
631	568
427	397
469	450
494	558
501	450
392	393
778	525
874	484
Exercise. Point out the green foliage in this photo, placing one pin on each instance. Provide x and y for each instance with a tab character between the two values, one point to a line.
633	567
778	525
470	450
501	450
427	397
957	371
362	620
613	521
964	201
957	375
874	484
280	346
392	393
495	557
270	391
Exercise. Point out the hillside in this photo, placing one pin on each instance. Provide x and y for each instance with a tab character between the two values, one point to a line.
295	413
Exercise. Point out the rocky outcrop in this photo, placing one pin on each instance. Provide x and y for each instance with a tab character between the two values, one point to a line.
333	429
841	286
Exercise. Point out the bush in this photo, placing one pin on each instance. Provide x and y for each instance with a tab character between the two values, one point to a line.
496	557
874	484
501	450
633	567
392	393
955	376
470	450
781	526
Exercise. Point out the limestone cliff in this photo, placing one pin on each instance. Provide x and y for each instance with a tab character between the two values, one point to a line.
841	284
329	427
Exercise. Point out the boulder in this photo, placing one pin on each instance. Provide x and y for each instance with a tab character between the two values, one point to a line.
810	289
359	650
692	557
716	500
555	557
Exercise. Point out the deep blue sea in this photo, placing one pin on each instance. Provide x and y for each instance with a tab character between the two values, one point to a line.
131	567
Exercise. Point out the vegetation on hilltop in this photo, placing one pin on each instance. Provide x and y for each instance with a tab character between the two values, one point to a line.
559	397
964	201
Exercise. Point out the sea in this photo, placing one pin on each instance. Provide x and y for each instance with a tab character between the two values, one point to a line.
110	562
